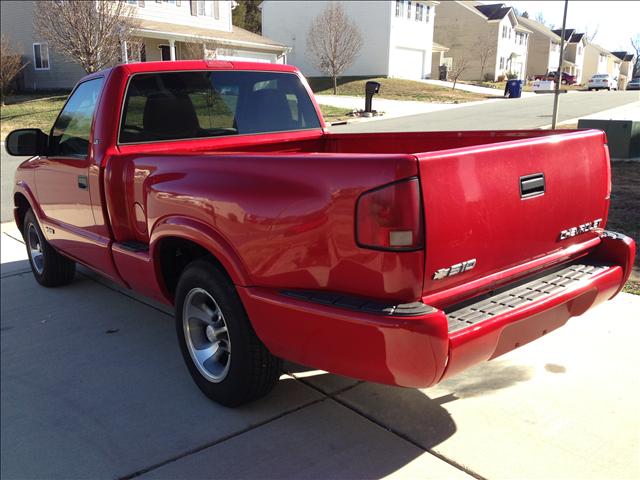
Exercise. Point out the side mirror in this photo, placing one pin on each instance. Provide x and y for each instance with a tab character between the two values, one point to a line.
26	142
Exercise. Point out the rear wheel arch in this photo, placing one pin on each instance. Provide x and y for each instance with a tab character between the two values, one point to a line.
177	241
172	255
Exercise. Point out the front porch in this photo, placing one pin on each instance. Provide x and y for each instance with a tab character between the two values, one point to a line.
158	41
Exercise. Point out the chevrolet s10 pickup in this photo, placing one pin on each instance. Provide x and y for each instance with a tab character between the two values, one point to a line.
400	258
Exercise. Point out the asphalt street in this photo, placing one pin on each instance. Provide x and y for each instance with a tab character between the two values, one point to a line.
502	114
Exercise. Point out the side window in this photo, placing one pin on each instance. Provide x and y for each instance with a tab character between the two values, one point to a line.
71	132
41	56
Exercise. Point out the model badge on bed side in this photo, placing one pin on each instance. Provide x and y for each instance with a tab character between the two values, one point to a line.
454	269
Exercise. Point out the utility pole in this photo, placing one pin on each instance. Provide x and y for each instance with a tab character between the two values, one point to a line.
556	94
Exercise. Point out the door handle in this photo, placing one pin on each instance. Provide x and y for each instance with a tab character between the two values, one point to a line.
83	183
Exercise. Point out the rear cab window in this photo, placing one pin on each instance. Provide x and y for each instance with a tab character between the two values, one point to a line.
203	104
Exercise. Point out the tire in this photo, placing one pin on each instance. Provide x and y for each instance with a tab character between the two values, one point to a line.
50	268
237	368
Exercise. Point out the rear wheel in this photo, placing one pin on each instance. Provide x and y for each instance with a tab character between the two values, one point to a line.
50	268
224	356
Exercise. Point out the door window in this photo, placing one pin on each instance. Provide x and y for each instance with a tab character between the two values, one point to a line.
71	132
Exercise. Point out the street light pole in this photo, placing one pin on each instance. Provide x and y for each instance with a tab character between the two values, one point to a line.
556	94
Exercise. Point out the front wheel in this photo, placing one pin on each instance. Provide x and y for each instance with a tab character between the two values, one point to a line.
49	268
224	356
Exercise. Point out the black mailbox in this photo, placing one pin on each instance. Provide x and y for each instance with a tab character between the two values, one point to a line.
370	89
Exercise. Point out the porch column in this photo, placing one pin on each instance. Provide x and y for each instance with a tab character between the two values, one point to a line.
125	58
172	49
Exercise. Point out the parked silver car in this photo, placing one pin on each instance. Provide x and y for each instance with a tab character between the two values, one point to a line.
602	81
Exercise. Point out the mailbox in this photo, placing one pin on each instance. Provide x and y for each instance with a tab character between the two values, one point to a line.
370	89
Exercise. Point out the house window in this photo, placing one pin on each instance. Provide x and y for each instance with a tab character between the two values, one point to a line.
504	31
409	9
399	8
579	49
208	9
419	12
428	13
41	56
501	63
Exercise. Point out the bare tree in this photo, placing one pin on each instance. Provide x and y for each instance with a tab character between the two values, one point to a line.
204	48
10	65
333	42
91	32
484	49
460	64
591	36
635	43
541	19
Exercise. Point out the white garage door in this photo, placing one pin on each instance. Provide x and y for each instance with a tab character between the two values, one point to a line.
408	63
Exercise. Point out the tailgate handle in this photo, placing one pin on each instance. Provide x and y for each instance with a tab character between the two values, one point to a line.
532	185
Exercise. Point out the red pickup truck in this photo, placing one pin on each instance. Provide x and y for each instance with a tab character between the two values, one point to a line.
400	258
567	78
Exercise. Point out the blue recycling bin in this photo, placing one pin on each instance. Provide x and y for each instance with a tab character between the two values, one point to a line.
513	88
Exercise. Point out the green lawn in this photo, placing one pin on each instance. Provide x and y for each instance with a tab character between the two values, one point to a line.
30	111
334	114
394	89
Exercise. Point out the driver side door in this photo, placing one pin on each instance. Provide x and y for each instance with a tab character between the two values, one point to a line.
62	178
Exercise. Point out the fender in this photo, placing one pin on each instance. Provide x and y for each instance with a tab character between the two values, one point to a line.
202	234
23	188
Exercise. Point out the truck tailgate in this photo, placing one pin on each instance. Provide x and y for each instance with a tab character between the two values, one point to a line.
501	206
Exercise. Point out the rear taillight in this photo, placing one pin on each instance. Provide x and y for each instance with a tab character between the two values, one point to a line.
390	217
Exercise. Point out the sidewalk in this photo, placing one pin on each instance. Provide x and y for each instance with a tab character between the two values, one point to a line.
391	108
496	92
93	386
630	111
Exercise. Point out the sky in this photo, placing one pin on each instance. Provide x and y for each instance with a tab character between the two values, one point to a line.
617	21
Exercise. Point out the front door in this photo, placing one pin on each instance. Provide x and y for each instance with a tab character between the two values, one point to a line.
165	52
62	180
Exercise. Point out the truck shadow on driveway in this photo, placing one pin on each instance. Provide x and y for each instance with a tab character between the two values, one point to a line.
93	385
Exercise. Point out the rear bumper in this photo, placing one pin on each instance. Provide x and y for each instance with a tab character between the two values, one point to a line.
422	349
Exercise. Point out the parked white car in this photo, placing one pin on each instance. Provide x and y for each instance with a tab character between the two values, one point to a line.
602	81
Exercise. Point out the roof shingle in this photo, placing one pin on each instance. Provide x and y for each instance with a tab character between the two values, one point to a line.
495	11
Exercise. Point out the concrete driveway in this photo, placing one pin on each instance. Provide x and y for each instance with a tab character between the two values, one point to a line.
93	386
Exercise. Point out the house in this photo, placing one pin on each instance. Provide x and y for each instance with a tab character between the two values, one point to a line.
544	48
574	46
626	68
167	30
438	60
595	60
488	38
397	36
613	67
